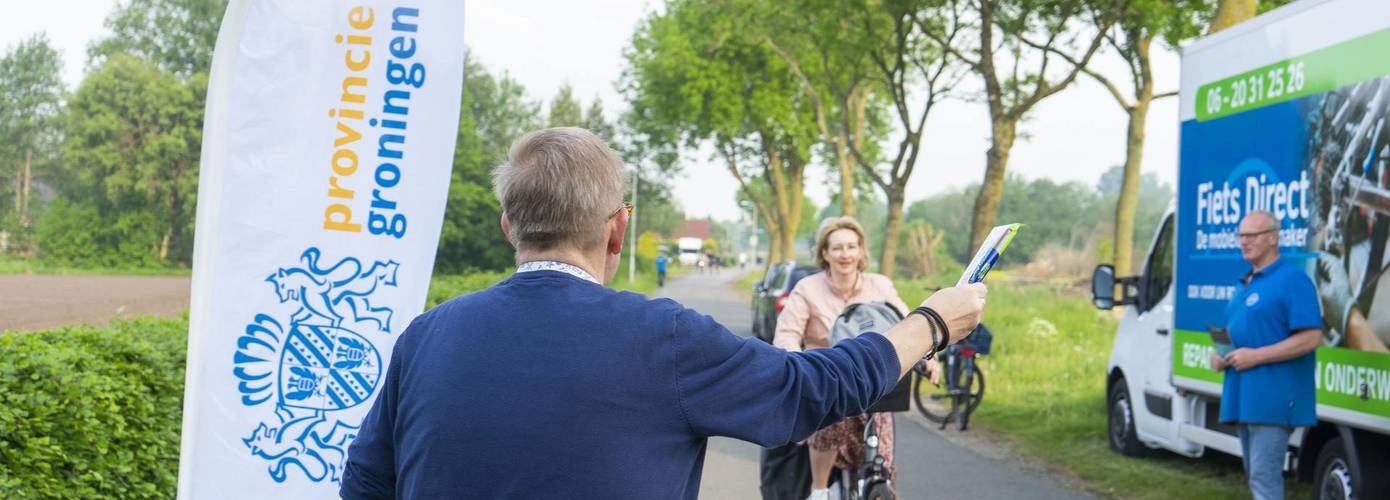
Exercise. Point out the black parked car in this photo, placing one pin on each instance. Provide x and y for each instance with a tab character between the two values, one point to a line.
769	294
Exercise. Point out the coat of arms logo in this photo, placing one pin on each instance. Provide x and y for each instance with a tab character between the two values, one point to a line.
311	362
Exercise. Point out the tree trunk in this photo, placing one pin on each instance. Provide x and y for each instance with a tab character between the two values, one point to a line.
1128	203
164	244
794	192
1129	192
848	205
857	103
887	261
786	182
23	209
774	245
1232	12
987	201
18	187
170	207
788	242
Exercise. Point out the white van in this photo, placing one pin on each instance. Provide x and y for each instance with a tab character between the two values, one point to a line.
1289	113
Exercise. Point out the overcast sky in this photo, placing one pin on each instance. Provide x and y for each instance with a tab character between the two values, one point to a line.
1073	136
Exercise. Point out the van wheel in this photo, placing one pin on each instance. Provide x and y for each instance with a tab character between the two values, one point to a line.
1123	439
1334	479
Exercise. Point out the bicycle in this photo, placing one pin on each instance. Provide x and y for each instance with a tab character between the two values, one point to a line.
871	481
963	391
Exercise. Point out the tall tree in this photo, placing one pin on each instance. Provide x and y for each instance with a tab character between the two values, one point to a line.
596	122
1062	213
177	35
1151	200
815	39
565	110
1231	12
870	58
692	79
493	113
910	69
1173	21
1014	71
31	93
132	138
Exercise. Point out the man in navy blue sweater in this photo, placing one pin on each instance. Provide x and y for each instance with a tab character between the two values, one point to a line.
550	385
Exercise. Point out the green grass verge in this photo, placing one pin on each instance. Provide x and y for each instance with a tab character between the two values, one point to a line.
1045	396
744	284
13	265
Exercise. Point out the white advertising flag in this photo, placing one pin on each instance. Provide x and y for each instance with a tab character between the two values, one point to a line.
327	149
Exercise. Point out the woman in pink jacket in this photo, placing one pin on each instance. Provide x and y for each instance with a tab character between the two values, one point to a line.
805	323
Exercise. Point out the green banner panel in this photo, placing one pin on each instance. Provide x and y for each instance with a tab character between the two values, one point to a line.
1312	73
1348	379
1192	356
1354	380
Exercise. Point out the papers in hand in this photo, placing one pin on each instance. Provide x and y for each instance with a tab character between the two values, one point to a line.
989	252
1221	339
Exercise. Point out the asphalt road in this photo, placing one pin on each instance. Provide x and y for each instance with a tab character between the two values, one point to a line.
931	463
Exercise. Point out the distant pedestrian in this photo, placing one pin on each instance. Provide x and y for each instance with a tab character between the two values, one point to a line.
661	270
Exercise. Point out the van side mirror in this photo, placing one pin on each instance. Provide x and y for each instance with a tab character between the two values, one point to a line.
1103	283
1103	286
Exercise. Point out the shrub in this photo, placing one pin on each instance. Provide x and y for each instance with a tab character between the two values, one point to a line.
92	413
72	235
443	288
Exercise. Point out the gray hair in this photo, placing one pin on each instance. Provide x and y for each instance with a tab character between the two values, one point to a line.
1271	222
558	187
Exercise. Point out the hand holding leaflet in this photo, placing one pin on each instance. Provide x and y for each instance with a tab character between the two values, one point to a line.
990	250
1221	339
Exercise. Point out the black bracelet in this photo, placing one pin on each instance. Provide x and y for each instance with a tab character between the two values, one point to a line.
945	331
926	313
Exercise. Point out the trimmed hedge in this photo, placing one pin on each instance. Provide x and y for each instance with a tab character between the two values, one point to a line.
92	412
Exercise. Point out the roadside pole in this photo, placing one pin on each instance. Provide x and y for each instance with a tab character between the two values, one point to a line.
632	227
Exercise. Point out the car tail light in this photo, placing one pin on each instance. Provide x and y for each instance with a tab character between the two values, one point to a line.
967	352
781	301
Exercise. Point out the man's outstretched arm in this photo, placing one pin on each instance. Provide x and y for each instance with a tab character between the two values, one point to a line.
730	386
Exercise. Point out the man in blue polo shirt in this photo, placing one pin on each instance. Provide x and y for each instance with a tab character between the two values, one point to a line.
1275	326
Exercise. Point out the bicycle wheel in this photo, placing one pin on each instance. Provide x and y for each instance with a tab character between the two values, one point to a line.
931	400
879	491
976	389
969	396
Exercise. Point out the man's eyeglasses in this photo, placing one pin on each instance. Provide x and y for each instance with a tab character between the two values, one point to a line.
1256	234
626	206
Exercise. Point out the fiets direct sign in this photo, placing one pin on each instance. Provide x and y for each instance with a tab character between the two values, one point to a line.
1292	119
